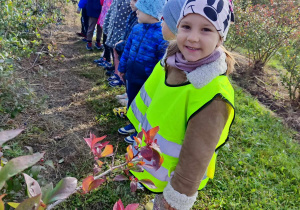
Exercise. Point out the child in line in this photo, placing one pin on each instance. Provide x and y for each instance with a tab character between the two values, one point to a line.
104	60
192	101
115	23
132	20
84	18
93	8
144	48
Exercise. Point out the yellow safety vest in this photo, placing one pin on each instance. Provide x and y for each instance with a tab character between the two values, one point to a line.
170	107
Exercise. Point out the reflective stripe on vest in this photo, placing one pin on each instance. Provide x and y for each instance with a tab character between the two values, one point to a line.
171	107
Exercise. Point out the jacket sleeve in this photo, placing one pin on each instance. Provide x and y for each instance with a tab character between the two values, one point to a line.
82	4
159	53
125	55
202	135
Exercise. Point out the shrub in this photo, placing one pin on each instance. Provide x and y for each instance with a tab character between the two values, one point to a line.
290	60
20	25
262	29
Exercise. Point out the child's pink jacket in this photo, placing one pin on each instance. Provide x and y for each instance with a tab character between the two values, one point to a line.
105	6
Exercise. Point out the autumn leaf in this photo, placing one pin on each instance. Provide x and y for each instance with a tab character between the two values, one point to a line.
96	140
130	153
120	178
148	182
146	152
90	183
118	205
133	186
86	183
108	151
157	160
96	183
152	132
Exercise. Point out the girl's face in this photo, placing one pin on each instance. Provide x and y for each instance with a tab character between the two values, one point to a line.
167	33
197	38
132	5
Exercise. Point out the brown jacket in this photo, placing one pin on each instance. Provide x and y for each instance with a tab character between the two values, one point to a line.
202	135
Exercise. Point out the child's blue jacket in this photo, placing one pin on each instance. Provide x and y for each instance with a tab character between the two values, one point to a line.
93	8
145	46
82	3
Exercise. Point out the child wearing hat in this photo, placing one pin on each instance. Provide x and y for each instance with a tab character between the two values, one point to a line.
191	99
144	48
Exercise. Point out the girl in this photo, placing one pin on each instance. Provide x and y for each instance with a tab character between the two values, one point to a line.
192	101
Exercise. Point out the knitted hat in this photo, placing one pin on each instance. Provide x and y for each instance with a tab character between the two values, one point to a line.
171	13
218	12
151	7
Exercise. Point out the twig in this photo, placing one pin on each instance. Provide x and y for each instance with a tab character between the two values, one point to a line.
37	56
96	177
113	158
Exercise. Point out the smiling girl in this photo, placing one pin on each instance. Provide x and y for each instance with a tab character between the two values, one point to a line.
192	101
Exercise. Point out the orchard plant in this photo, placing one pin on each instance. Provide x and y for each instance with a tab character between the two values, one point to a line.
47	197
262	29
289	58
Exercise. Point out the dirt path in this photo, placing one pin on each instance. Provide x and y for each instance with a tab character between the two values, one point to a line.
63	83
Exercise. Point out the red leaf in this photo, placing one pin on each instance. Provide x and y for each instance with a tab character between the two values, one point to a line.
89	140
132	206
152	132
157	160
130	153
96	183
118	205
108	151
140	135
120	178
146	152
86	183
95	140
148	182
133	186
146	136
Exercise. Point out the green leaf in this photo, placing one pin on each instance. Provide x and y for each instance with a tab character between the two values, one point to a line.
46	190
62	190
50	163
9	134
30	203
17	165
